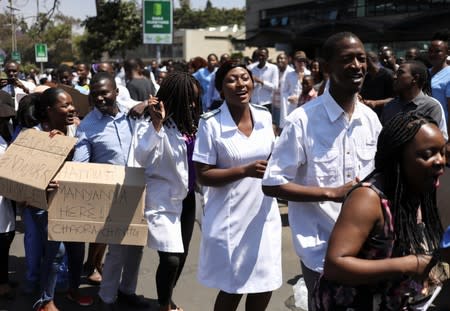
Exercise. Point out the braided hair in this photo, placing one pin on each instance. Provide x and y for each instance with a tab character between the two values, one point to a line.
410	239
180	93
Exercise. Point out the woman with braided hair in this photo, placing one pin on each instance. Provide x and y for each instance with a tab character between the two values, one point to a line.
164	148
385	241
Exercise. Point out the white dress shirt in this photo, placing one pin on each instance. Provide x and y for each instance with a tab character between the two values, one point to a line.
291	87
277	92
320	146
262	94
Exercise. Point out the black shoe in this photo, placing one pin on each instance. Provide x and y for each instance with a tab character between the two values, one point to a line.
132	300
103	306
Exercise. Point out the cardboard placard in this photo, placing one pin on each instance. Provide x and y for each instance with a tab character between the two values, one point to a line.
80	101
30	163
100	203
443	198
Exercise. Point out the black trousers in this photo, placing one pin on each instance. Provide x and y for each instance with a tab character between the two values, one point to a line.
171	264
5	244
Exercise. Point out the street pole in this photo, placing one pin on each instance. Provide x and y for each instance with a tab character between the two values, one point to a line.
42	68
13	27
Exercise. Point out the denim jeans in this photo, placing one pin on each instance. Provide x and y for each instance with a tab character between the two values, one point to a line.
54	252
33	244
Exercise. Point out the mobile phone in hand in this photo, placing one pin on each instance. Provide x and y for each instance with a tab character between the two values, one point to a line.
8	81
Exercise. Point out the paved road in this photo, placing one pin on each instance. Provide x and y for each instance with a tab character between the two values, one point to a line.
189	294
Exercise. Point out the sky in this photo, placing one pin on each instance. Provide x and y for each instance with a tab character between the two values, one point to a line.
83	8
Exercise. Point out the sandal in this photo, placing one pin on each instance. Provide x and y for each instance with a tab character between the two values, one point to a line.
95	278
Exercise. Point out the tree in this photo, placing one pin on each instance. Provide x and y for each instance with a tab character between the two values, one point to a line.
56	32
116	28
184	17
53	29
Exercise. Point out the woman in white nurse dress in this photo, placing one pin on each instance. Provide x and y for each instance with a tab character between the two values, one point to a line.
240	250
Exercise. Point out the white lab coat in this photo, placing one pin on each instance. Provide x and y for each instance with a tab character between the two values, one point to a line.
163	154
240	250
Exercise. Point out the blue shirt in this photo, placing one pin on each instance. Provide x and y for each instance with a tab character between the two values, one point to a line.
203	76
440	87
103	138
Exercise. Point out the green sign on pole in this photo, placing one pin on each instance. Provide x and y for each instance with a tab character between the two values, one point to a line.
40	51
15	55
158	17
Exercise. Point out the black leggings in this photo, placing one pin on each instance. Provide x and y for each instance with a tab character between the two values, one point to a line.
171	264
5	243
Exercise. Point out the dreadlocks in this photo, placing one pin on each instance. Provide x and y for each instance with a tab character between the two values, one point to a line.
410	238
180	93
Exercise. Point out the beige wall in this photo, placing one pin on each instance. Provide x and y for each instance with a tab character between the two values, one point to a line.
201	43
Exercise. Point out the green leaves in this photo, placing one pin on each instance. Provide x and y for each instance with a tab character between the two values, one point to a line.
184	17
116	28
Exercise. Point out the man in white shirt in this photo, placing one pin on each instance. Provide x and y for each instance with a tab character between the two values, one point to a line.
265	76
278	95
326	147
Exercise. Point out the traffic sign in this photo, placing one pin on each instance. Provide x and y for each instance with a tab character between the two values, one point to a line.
40	51
157	21
15	55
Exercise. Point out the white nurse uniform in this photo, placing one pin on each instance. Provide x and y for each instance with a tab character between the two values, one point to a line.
240	250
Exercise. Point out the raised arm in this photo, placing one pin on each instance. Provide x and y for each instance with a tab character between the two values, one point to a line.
148	137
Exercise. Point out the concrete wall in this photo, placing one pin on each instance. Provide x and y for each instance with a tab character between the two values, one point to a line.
203	42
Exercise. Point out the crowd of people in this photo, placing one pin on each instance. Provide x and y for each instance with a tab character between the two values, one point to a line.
354	140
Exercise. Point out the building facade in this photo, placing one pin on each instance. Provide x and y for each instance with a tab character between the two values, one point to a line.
305	24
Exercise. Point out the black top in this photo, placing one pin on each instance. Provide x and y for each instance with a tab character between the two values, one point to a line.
378	86
140	89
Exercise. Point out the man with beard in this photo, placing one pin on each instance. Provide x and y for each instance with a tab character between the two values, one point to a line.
104	136
326	147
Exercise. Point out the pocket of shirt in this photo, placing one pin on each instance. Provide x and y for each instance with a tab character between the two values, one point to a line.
325	166
366	156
